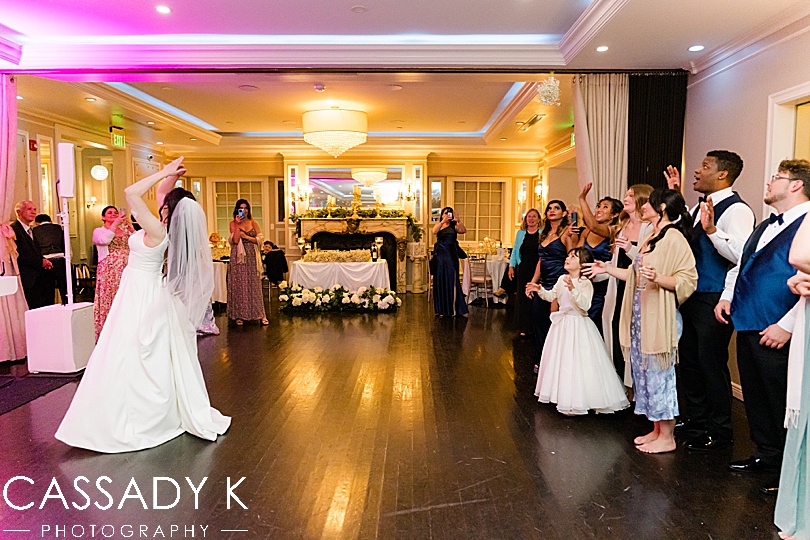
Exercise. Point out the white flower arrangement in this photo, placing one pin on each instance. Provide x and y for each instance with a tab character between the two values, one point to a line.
337	298
333	255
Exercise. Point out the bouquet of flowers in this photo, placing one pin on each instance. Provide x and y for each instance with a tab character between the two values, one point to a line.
337	298
333	255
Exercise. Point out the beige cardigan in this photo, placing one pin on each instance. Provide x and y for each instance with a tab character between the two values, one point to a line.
659	334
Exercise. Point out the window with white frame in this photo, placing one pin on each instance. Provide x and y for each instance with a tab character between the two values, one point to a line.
480	205
226	194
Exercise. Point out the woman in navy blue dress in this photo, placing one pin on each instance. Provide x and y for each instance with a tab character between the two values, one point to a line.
448	299
600	229
555	240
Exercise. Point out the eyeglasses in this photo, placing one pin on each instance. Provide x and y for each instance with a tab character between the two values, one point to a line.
776	177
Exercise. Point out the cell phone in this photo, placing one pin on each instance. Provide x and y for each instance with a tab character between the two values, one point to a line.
574	218
122	211
240	212
450	215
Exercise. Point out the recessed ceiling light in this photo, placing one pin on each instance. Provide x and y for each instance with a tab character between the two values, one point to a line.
359	9
394	87
519	123
159	142
193	139
150	123
696	48
320	87
503	138
248	87
602	48
90	99
19	97
163	10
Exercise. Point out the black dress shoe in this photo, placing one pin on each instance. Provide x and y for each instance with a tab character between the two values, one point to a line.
769	489
691	426
753	465
707	442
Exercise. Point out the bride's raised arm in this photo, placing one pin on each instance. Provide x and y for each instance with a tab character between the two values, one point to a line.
152	226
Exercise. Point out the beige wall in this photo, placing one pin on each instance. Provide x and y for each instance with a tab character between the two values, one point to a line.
563	184
727	108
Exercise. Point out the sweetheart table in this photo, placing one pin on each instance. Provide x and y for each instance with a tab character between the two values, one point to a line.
351	275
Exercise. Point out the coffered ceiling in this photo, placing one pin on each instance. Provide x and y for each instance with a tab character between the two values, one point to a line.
450	76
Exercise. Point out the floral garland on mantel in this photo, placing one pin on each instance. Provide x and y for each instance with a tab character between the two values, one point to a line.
337	256
415	229
337	298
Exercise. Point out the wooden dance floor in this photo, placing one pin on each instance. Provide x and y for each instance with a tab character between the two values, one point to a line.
377	426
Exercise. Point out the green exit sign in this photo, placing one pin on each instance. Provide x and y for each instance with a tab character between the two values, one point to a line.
573	141
119	140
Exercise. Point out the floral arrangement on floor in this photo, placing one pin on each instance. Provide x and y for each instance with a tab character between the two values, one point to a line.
336	298
415	229
337	256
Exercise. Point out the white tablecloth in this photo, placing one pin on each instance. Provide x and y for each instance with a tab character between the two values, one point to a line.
220	282
495	268
350	275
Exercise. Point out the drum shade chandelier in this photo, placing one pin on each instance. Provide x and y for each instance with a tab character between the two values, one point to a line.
368	176
335	130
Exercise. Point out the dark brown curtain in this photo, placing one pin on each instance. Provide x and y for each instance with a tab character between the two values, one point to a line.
656	115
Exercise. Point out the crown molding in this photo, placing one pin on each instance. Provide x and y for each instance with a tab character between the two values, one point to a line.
588	25
756	41
62	60
10	51
132	104
524	96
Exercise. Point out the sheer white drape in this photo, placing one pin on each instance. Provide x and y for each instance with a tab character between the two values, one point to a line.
8	141
600	128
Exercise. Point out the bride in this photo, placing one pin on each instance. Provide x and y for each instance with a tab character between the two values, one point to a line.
143	384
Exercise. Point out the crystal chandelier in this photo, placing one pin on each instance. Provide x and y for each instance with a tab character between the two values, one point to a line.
368	176
335	130
548	91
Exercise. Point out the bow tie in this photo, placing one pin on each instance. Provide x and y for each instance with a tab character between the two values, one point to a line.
701	199
773	218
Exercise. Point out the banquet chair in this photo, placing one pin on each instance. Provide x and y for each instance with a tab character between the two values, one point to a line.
84	278
479	277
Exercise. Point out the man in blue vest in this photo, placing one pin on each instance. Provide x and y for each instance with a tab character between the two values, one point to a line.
761	304
722	224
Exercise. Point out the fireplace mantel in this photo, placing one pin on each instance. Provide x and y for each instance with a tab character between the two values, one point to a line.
397	227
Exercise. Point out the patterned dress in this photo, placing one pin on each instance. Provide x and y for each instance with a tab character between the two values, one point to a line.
245	298
108	277
655	392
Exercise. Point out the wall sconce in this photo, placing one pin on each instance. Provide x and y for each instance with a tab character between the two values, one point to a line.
301	193
91	203
521	196
541	190
410	192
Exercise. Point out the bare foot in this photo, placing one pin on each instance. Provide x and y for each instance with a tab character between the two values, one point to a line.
784	536
644	439
660	445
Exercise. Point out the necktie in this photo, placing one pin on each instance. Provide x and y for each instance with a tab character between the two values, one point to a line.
773	218
31	233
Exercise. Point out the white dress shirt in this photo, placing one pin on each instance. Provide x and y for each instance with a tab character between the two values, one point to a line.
786	322
27	230
733	227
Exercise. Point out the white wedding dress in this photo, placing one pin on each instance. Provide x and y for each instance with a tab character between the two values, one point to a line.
143	385
576	372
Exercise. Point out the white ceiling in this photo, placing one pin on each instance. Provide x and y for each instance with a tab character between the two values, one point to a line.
489	55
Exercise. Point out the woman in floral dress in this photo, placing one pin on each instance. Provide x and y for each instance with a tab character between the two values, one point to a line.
112	243
245	298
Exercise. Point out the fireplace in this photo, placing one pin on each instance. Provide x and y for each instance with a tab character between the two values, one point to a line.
359	233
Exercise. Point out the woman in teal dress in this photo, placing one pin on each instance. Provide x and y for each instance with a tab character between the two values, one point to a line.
793	503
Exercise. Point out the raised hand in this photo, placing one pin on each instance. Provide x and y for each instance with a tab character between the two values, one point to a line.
594	269
707	216
673	178
568	283
623	242
175	168
583	195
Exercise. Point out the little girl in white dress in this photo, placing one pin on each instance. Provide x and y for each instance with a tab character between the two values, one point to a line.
576	372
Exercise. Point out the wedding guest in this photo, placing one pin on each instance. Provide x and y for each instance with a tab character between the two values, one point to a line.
50	238
722	223
448	298
245	298
630	231
30	262
274	262
112	244
600	229
663	275
792	514
757	297
522	265
555	240
13	306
